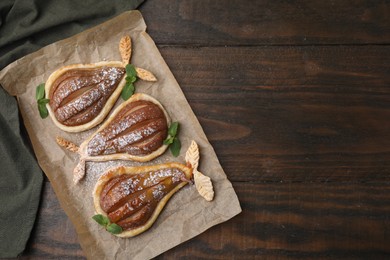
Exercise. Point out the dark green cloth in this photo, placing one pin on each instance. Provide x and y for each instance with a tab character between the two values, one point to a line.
20	181
26	26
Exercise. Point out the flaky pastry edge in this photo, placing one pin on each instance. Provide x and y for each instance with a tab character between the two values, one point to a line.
125	156
133	171
107	107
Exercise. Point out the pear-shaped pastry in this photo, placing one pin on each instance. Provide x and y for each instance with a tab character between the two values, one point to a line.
81	95
134	131
133	197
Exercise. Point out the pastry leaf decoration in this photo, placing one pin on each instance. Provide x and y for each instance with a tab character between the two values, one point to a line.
145	75
125	49
105	222
172	140
192	155
131	77
202	182
132	73
41	100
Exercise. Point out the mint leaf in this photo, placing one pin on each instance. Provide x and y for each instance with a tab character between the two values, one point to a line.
173	129
40	91
42	107
130	70
127	91
131	79
105	222
175	147
114	228
43	101
169	140
42	110
172	140
102	220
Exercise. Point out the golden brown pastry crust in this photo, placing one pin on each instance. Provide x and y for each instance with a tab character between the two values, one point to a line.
132	171
125	156
107	107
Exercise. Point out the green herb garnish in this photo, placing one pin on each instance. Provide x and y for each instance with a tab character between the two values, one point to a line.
41	100
175	147
131	77
130	70
114	228
40	91
102	220
172	140
127	91
105	222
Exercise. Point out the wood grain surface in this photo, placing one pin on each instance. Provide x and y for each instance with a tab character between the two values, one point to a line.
265	22
294	96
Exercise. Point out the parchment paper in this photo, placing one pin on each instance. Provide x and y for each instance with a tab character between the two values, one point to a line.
186	214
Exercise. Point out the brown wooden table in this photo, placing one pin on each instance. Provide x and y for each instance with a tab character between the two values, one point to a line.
295	98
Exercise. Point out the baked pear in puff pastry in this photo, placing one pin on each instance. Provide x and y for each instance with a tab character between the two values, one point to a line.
81	95
133	197
135	131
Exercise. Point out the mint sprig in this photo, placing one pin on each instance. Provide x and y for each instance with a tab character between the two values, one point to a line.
131	77
41	100
40	91
114	228
105	222
172	140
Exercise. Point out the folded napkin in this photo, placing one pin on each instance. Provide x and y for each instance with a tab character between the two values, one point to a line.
26	26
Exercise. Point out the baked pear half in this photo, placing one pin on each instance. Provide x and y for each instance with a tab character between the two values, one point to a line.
135	131
133	197
81	95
